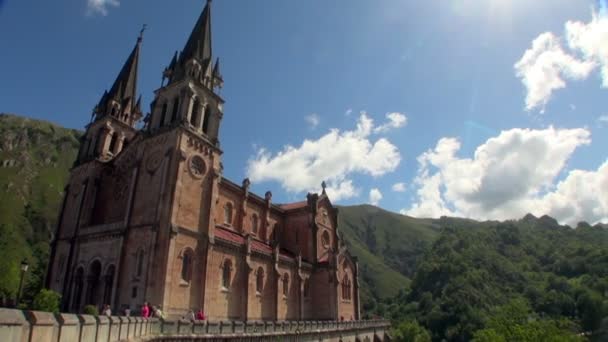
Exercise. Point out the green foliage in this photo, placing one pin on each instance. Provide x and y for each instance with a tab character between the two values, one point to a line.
47	300
90	310
411	331
31	186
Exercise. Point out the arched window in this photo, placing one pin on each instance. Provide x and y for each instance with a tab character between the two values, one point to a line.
163	115
228	213
306	288
194	113
78	286
325	239
285	284
187	265
113	112
226	274
254	224
276	233
113	142
108	285
93	283
140	263
259	280
346	288
206	118
175	109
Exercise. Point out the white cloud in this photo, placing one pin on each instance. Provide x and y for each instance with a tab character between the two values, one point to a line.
375	196
313	120
398	187
510	175
101	6
394	120
603	119
335	157
348	112
591	40
544	67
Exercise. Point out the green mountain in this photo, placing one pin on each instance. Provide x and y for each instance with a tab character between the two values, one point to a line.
438	279
35	157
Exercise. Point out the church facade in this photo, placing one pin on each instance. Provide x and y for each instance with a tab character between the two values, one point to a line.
148	217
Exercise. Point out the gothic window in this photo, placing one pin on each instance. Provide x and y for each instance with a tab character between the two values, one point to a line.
113	142
325	239
140	263
113	112
228	213
78	286
108	285
259	280
346	288
163	115
226	274
100	140
254	224
175	109
206	118
92	295
194	113
285	284
306	288
187	265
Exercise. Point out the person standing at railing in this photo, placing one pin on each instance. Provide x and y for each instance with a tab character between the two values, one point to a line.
200	315
145	310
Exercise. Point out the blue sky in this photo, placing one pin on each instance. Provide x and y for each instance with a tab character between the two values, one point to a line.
498	106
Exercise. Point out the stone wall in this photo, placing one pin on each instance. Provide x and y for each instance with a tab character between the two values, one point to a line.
29	326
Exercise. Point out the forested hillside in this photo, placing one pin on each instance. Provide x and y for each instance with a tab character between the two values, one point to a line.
437	279
34	160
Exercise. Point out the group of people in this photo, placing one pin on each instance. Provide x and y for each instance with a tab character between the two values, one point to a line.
148	311
154	311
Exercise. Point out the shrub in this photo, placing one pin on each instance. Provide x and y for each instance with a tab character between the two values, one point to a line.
47	300
91	310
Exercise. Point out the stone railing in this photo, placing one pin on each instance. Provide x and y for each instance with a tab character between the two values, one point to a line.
29	326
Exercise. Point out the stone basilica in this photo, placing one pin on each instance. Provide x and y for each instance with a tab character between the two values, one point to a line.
148	216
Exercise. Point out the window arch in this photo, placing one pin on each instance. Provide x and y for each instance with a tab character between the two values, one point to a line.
163	115
226	273
187	265
113	141
325	239
175	109
306	288
195	112
346	288
254	224
108	284
206	118
259	280
285	284
228	213
139	258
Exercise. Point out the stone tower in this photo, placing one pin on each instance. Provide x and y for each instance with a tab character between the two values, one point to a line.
148	216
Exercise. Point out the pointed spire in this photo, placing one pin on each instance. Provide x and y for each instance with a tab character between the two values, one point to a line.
124	89
199	43
216	69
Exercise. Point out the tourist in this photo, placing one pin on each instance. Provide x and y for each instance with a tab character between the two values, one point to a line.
107	310
200	315
127	311
158	312
191	316
145	310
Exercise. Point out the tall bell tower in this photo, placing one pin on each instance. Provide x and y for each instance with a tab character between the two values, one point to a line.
189	98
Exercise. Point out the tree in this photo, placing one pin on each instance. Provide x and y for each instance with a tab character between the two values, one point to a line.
411	331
